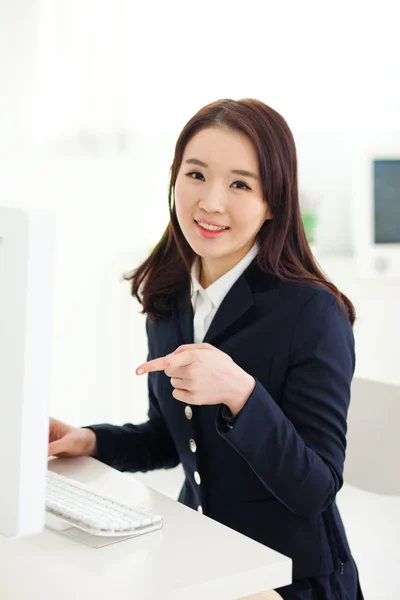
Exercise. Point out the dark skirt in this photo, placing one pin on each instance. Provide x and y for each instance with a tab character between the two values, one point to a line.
342	584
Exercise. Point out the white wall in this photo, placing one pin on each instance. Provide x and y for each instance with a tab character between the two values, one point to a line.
17	59
334	76
101	233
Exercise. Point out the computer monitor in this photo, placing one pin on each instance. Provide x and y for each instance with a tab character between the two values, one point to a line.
376	215
27	247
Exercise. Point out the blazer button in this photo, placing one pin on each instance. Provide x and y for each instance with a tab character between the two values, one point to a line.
188	412
197	478
200	509
192	445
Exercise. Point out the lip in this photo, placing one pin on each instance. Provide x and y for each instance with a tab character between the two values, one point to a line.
205	233
210	223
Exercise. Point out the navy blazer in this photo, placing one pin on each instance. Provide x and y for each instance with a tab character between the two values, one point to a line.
275	474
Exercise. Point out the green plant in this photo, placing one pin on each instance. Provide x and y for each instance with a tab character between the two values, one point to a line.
310	220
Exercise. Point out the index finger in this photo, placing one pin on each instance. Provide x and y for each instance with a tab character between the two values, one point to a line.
158	364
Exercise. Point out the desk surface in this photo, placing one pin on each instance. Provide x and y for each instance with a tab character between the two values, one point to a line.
191	558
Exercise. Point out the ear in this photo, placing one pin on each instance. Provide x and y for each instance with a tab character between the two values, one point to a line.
268	214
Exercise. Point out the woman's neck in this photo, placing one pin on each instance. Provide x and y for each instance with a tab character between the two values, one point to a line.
209	273
212	269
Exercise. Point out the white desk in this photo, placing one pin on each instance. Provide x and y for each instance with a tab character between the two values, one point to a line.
191	558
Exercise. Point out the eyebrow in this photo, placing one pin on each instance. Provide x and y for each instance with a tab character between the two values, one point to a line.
196	161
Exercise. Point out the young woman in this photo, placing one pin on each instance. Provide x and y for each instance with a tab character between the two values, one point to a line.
251	352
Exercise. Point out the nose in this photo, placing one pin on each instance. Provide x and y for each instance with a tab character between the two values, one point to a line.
213	200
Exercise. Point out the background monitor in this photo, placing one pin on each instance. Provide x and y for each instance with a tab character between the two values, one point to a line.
386	196
376	213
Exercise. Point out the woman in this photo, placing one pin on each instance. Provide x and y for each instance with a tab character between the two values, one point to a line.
251	352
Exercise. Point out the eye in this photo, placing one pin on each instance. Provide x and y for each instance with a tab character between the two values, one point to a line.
194	173
246	187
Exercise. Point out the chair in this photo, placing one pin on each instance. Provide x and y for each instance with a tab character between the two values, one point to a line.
373	448
370	498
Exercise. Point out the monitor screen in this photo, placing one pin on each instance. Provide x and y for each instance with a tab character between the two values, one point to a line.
387	201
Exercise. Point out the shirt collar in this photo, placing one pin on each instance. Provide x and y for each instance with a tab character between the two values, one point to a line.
217	291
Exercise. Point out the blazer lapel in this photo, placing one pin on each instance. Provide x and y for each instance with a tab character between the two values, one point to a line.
236	303
239	301
184	316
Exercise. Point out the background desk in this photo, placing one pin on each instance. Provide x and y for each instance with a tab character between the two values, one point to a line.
191	558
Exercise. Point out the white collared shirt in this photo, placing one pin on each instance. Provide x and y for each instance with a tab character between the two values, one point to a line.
206	302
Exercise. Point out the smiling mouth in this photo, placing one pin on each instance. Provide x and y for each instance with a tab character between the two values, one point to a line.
209	227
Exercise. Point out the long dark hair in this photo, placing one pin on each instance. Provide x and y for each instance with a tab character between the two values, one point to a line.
283	247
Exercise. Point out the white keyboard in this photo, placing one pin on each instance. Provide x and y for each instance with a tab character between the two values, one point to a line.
94	512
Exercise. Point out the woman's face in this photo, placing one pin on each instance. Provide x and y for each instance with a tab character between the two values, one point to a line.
218	186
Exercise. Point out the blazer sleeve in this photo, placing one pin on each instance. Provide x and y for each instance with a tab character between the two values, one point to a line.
298	449
142	447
